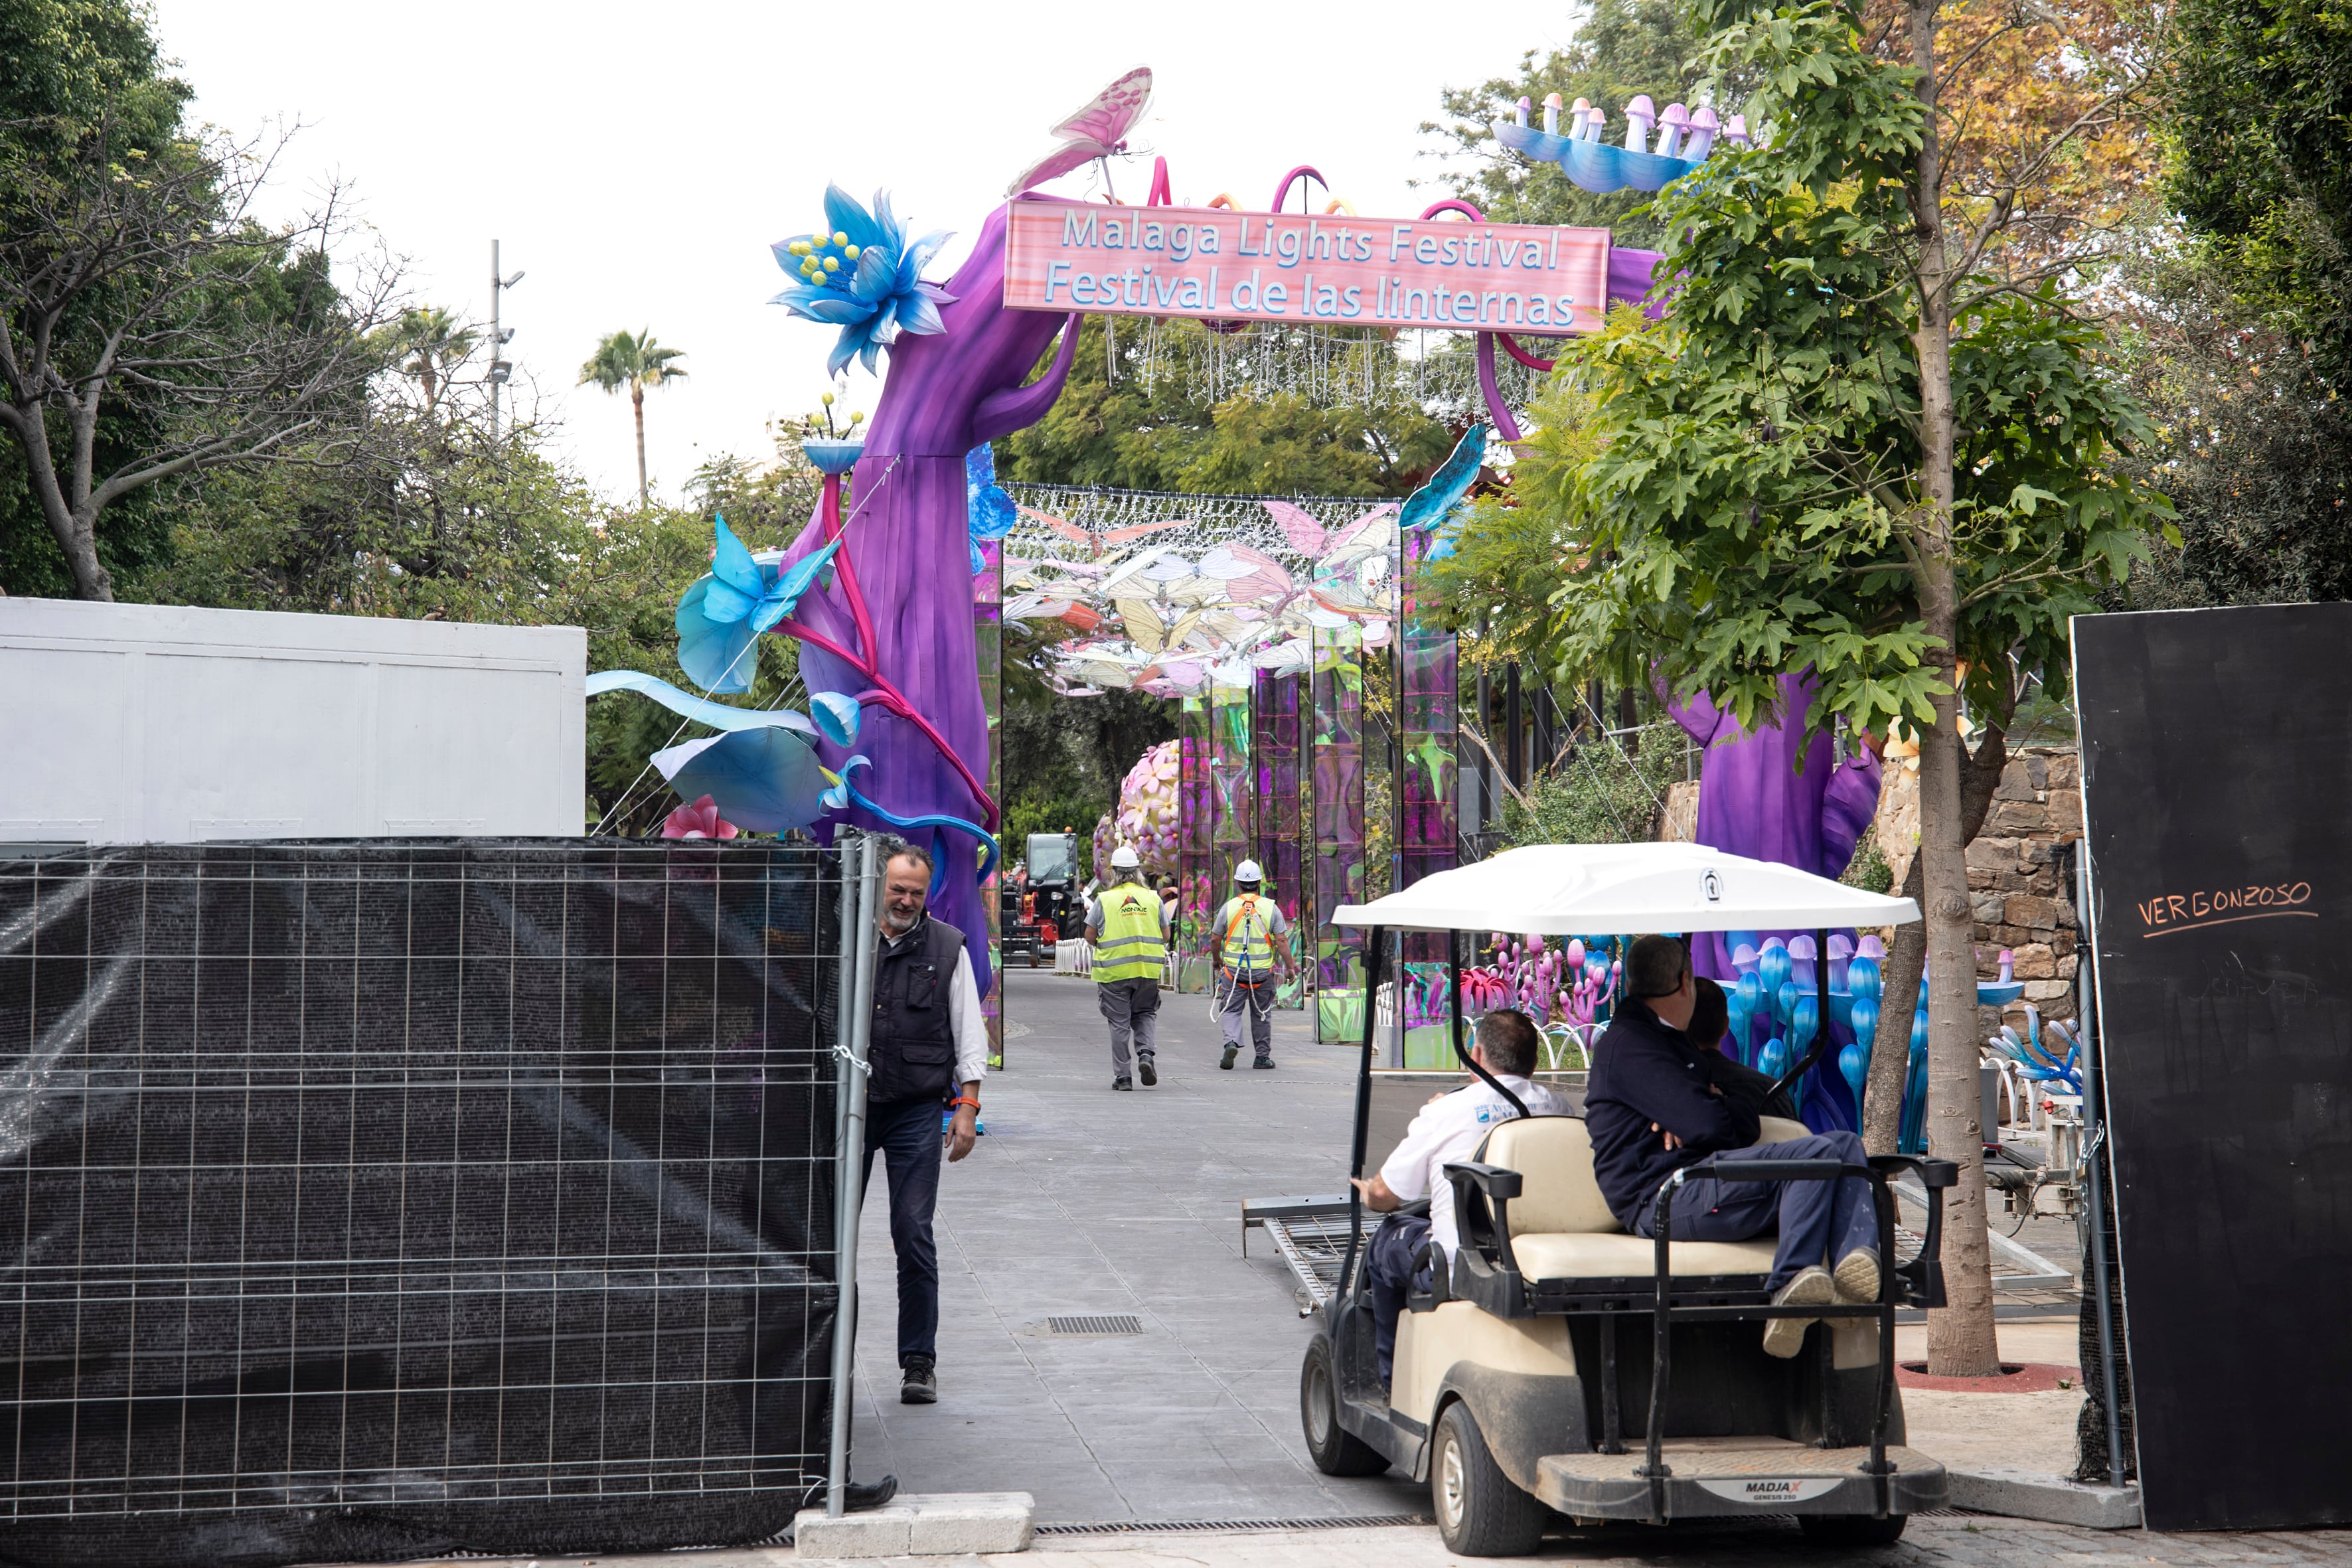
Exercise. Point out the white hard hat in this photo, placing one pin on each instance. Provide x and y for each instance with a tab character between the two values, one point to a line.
1124	857
1247	871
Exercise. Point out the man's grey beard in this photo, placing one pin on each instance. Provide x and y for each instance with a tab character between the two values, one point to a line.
896	927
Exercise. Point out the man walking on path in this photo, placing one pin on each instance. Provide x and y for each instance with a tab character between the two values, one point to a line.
1128	926
928	1038
1249	959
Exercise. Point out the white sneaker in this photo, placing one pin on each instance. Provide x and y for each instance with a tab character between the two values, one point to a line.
1857	1278
1812	1286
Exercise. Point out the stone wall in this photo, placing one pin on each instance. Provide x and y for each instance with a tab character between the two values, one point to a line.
2023	898
2019	879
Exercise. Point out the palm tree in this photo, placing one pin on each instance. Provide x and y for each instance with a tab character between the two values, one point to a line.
635	363
429	344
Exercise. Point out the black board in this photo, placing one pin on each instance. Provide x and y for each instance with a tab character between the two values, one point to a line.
2217	779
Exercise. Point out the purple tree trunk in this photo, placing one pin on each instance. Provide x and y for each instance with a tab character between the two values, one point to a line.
908	530
1752	800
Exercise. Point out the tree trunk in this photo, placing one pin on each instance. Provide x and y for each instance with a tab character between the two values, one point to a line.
75	528
1890	1051
1898	1001
1960	1336
637	403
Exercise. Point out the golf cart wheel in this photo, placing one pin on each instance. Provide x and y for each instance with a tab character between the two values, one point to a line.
1479	1512
1851	1528
1335	1450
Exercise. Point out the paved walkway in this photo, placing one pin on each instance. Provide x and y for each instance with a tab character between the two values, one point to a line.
1084	1202
1081	1201
1950	1541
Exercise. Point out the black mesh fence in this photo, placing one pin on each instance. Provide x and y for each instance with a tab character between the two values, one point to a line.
373	1200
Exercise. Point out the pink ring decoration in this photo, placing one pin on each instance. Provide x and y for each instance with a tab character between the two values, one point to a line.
1511	347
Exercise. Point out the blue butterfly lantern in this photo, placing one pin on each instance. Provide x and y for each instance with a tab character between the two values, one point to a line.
724	612
766	780
1440	495
991	510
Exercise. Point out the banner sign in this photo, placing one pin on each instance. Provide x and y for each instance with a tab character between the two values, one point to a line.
1207	262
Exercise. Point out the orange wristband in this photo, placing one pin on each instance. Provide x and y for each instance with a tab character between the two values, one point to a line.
963	1099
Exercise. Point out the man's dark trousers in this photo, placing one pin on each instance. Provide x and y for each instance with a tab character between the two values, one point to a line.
1389	1271
1820	1222
906	1133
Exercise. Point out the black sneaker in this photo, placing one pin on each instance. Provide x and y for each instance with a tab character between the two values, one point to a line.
1231	1052
1262	1062
1150	1074
1122	1083
916	1383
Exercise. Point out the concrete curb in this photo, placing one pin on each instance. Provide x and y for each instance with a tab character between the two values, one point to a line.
2053	1500
920	1524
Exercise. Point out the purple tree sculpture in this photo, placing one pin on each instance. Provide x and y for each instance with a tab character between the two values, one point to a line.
894	628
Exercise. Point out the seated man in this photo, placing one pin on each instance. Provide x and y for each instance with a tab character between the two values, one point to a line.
1654	1103
1710	1026
1448	1132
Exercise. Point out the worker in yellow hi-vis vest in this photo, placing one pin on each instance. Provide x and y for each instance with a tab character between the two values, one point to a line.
1128	926
1249	949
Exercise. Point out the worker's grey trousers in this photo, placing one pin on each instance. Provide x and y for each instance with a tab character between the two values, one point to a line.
1133	1008
1247	998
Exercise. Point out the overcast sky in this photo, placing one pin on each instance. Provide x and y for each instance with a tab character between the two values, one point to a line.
636	160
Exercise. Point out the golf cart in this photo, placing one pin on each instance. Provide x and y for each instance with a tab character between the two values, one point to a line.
1511	1370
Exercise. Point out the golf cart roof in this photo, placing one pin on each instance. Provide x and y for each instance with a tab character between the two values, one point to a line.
1567	889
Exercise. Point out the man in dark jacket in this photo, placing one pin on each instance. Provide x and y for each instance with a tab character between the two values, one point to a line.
930	1042
1654	1103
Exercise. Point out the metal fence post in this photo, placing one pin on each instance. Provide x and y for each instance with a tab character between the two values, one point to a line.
2095	1125
857	1028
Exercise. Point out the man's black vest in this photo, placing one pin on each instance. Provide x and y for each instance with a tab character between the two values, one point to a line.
913	1046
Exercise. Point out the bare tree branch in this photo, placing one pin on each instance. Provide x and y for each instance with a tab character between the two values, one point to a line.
142	282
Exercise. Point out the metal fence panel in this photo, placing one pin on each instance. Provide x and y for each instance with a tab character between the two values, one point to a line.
370	1200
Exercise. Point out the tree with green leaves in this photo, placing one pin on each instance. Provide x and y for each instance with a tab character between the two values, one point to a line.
2240	341
2261	163
152	328
633	363
1868	443
428	345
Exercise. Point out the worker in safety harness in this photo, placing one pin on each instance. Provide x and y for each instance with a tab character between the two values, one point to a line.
1249	962
1128	927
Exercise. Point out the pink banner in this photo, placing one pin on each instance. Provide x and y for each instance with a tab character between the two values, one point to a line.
1347	272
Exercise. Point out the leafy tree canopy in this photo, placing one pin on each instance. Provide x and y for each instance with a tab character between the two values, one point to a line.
2261	163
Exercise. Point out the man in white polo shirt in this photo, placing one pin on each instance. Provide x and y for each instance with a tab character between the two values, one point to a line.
1448	1130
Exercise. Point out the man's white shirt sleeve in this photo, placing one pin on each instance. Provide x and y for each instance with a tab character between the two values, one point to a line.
970	1025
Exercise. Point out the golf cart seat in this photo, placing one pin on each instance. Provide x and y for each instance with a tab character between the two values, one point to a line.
1557	1240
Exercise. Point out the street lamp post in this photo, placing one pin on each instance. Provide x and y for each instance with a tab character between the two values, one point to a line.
501	368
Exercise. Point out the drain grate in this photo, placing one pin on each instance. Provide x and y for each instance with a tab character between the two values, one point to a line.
1235	1526
1075	1327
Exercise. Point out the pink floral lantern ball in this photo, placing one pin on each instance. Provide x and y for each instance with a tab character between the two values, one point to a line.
1149	814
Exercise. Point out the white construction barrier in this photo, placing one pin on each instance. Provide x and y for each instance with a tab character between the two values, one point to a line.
156	725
